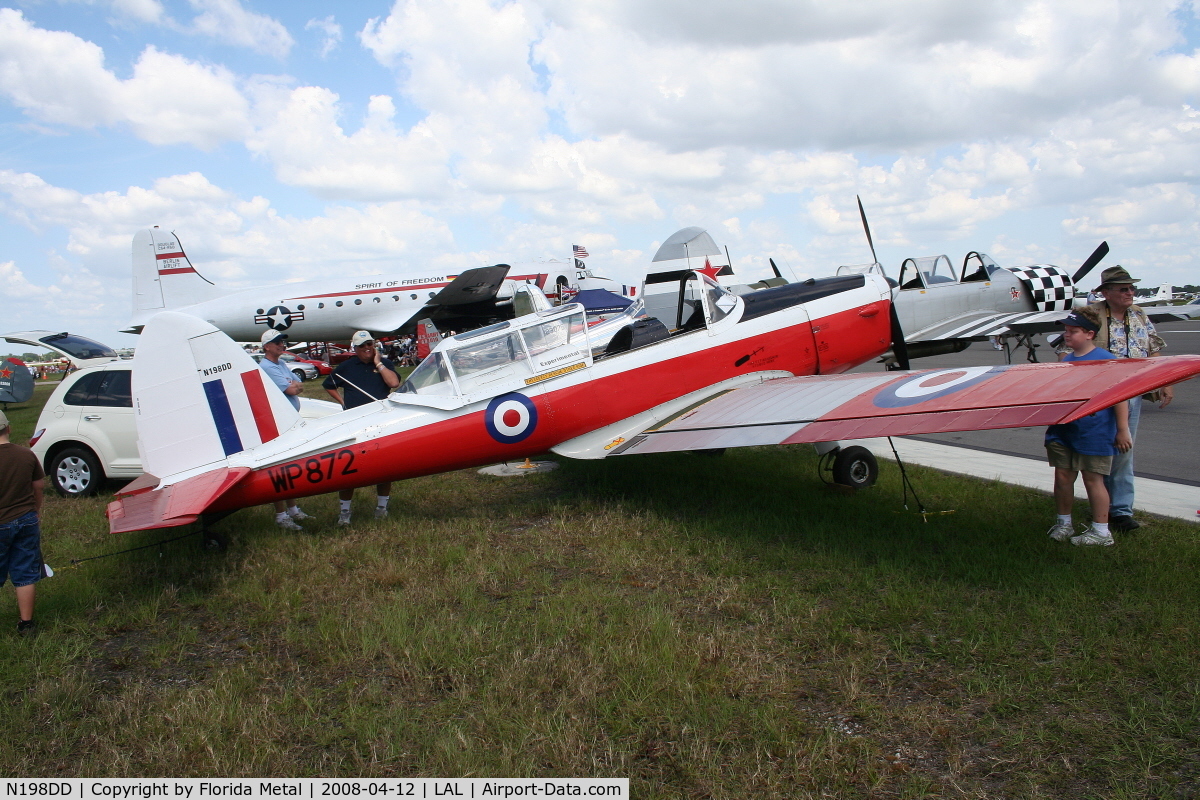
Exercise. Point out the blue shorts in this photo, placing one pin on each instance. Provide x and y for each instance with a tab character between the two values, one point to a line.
21	550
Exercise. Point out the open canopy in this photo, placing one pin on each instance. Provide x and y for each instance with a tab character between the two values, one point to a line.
686	243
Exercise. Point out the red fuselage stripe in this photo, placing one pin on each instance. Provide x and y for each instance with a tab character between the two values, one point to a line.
411	287
252	380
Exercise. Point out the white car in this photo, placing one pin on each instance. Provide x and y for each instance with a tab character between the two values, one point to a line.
86	433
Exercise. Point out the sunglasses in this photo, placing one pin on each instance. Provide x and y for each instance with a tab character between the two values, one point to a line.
1119	289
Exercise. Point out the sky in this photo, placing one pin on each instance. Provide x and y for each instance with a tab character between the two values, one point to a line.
291	141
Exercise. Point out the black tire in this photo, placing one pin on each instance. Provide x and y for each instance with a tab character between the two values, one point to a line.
855	467
75	472
299	373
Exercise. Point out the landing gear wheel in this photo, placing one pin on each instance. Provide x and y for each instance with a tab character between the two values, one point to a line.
75	472
855	467
213	542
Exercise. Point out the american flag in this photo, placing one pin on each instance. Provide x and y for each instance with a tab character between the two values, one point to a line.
580	251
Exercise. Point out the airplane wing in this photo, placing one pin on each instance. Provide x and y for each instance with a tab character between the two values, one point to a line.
823	408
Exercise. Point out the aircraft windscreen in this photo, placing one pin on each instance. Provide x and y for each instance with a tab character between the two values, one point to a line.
555	333
78	346
430	377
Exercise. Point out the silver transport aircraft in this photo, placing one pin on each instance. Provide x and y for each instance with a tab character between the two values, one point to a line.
332	309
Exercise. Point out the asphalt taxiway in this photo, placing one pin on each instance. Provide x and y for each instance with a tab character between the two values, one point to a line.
1167	464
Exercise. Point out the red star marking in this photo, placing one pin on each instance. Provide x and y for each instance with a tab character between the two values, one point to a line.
710	270
1016	293
6	373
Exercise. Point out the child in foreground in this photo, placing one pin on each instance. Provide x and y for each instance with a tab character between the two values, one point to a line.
1086	445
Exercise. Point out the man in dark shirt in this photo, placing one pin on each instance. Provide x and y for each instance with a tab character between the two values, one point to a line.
363	379
21	484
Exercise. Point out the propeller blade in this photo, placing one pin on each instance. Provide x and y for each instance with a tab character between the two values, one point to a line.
1092	261
899	346
867	228
777	273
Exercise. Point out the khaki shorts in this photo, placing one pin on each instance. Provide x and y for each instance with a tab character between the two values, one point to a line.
1063	457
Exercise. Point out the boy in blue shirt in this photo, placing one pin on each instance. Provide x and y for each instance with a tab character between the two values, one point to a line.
1086	445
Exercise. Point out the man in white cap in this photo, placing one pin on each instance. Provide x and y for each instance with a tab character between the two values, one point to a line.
1126	332
21	483
274	345
363	379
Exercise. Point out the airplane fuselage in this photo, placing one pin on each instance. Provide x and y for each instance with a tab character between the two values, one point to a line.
537	409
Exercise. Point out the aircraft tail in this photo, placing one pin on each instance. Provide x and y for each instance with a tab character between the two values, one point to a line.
1165	293
427	337
199	398
163	277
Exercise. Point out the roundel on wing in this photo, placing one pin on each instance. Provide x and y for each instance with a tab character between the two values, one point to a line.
510	418
932	385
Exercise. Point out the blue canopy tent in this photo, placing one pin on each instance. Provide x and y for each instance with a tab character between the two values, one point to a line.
601	301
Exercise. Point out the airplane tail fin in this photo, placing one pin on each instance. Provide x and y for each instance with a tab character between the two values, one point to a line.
427	337
199	398
163	277
1164	292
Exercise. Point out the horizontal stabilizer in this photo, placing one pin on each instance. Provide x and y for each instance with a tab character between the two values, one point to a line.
864	405
170	506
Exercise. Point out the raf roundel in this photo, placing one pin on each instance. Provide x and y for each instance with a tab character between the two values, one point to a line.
932	385
511	418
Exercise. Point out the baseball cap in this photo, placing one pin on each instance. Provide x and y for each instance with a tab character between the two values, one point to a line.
1077	320
271	335
3	420
361	337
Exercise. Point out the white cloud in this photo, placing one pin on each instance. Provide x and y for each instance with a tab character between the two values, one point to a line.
330	30
56	77
230	22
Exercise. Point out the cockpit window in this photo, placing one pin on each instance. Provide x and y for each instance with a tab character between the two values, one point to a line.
549	335
430	377
478	366
721	301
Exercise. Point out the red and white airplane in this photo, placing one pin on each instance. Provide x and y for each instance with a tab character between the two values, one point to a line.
718	371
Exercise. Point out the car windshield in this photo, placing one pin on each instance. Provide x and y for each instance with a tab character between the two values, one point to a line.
78	346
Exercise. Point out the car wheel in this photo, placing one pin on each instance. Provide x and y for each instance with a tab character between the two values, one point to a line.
75	472
300	376
855	467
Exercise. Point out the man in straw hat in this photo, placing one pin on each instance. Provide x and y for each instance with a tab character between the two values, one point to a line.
1126	332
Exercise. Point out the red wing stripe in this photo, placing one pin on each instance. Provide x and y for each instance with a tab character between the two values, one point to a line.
260	405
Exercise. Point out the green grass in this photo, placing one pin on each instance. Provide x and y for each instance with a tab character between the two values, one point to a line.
707	627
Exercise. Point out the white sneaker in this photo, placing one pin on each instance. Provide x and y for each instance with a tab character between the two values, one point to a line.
380	512
296	513
1061	533
1093	537
288	524
343	518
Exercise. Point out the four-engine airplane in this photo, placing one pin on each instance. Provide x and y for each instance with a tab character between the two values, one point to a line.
717	370
332	309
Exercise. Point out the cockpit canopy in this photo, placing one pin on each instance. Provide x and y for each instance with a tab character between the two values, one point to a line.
520	352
